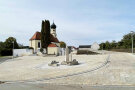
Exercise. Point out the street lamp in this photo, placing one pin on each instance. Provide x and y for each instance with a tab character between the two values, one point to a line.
132	34
13	50
102	47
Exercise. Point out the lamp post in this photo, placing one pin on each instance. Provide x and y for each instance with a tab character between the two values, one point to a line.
13	50
102	47
132	34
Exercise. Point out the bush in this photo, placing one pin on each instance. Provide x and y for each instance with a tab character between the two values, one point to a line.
6	52
41	50
31	48
86	52
122	50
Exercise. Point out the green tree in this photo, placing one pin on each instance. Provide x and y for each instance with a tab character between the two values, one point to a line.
107	45
48	32
7	46
124	43
102	46
9	43
45	34
113	44
127	41
2	45
62	44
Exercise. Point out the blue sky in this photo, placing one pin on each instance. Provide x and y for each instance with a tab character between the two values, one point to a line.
78	22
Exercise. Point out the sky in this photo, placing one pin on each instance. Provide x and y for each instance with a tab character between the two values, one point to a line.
79	22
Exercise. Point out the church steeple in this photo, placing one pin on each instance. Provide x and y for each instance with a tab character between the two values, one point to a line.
53	25
53	30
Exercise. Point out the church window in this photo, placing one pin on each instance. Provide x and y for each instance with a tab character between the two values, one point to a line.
38	44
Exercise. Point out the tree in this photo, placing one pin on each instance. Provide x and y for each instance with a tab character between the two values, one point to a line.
7	46
127	41
119	45
2	45
107	45
102	46
62	44
43	42
45	34
124	43
9	43
48	32
113	44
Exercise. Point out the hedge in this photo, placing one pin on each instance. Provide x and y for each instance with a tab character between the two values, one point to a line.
86	52
5	52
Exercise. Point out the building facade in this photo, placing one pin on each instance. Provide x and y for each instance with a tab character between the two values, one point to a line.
95	46
53	47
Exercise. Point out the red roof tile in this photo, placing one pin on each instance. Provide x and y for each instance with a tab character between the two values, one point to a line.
52	45
37	36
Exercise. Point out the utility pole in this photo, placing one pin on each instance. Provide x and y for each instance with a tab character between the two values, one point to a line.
13	51
132	34
102	47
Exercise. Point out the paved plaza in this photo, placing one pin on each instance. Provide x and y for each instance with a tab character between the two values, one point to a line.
111	68
32	68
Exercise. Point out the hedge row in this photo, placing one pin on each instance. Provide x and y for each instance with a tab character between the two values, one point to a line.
122	50
5	52
86	52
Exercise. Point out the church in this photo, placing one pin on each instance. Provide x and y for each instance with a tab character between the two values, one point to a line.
53	48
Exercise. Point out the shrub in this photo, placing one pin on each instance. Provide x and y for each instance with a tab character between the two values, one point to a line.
31	48
41	50
86	52
6	52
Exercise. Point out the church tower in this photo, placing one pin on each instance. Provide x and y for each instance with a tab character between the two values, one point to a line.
53	30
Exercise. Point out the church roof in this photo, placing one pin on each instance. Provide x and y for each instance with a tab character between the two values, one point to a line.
52	45
53	39
37	36
53	26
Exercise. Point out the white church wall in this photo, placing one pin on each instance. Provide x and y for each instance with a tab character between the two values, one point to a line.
34	44
53	50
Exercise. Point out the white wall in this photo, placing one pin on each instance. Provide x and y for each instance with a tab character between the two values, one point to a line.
61	51
95	46
53	50
34	44
22	52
